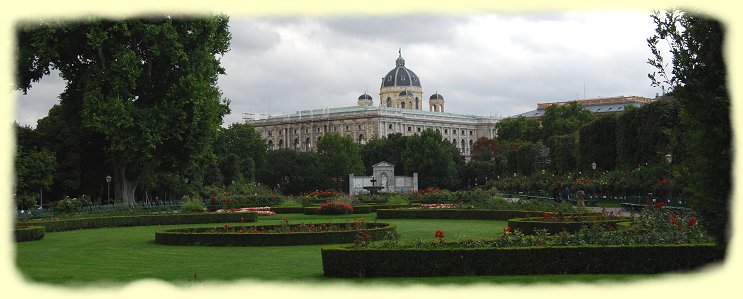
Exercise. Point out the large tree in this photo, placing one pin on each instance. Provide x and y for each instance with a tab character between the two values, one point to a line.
147	85
519	129
432	158
564	119
241	152
339	156
698	80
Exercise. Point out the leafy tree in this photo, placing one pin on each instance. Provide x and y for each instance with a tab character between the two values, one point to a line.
564	119
564	153
34	170
432	158
384	149
240	147
485	149
598	143
644	134
519	129
147	85
339	156
293	172
698	80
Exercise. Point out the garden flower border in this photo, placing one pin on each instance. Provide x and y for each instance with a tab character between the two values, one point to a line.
531	224
340	261
187	236
458	214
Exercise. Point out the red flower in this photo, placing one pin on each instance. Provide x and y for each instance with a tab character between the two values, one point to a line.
507	229
692	221
439	234
226	225
673	221
365	234
675	216
660	204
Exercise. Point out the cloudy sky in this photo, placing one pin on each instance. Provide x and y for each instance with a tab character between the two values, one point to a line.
483	64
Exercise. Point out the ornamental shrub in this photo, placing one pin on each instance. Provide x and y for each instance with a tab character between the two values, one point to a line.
194	205
70	205
335	208
25	202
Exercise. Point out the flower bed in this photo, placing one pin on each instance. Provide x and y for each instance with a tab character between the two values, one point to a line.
29	233
453	214
341	261
572	223
277	235
55	225
261	211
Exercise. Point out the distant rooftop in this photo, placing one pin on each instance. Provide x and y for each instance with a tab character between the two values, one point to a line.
598	105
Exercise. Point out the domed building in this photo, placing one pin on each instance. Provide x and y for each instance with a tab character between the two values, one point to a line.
400	110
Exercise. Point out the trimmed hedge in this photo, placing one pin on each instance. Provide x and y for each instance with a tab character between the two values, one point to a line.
347	262
201	236
529	225
473	214
141	220
29	233
288	210
363	209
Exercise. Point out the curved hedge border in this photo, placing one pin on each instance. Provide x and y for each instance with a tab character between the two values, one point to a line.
529	225
199	236
141	220
347	262
473	214
29	233
363	209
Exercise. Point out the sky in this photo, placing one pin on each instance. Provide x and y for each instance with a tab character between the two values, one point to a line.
490	64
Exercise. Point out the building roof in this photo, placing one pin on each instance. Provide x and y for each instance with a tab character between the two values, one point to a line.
365	96
605	108
436	96
400	75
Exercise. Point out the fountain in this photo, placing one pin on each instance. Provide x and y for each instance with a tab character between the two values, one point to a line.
373	189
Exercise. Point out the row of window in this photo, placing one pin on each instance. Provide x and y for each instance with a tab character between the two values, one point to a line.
317	130
361	139
446	131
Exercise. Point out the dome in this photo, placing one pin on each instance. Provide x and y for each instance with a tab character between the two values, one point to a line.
436	96
406	93
365	97
400	75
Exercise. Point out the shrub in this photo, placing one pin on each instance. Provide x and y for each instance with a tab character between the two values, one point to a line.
397	200
140	220
70	205
25	202
29	233
290	202
192	206
335	208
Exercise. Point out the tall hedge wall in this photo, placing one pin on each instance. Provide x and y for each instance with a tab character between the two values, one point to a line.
141	220
345	262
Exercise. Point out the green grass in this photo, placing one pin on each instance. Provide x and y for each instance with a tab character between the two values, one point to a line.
126	254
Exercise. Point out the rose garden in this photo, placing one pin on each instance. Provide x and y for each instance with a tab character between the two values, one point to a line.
130	176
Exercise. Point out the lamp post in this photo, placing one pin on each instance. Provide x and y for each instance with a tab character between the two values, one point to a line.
669	160
108	188
593	166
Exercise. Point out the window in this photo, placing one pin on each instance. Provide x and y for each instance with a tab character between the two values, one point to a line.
454	131
295	131
335	128
472	132
419	129
389	102
306	130
446	131
269	133
390	126
402	105
462	132
410	129
359	127
346	128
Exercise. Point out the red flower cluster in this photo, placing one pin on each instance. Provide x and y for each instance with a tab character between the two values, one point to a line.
439	234
507	229
322	194
226	225
660	204
429	190
335	208
692	221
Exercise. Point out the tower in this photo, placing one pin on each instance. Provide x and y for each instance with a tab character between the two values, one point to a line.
401	88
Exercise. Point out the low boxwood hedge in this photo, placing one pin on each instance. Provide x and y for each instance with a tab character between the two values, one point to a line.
529	225
341	261
288	210
141	220
361	209
202	236
474	214
29	233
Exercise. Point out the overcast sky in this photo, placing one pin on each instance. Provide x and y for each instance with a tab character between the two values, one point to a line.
483	64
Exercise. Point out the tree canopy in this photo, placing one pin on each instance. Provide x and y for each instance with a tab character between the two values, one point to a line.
147	85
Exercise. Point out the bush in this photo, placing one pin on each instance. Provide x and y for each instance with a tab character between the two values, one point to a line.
140	220
398	200
240	235
192	205
341	261
25	202
453	214
71	205
29	233
335	208
530	225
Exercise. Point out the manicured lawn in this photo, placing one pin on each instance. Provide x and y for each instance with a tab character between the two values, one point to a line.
120	255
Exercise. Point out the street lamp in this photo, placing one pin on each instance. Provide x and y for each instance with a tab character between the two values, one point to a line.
108	188
669	160
514	174
542	171
593	166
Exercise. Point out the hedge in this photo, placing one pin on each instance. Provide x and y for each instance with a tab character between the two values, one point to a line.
141	220
201	236
362	209
529	225
347	262
29	233
288	210
454	214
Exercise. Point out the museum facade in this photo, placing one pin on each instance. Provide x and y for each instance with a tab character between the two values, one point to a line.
399	110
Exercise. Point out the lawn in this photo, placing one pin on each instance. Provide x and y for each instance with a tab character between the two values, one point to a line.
121	255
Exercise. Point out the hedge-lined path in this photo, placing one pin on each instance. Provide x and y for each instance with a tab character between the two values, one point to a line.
126	254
